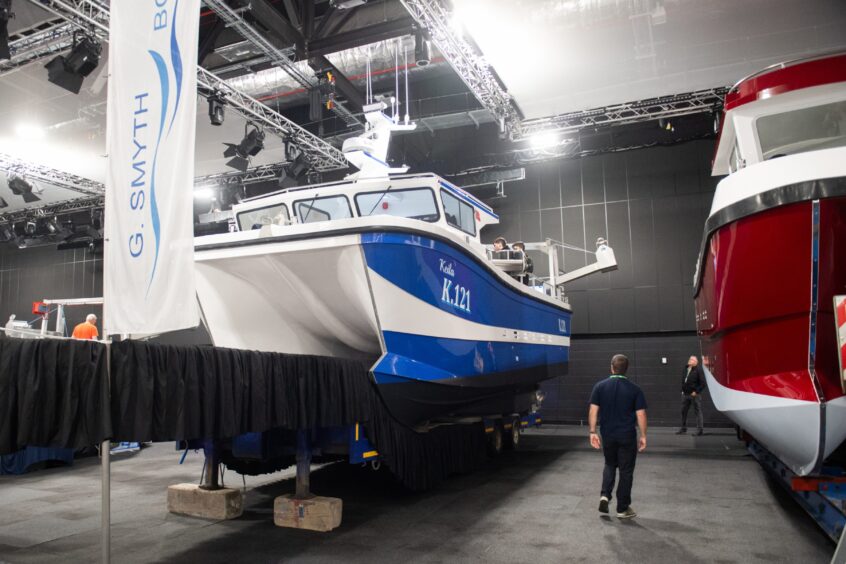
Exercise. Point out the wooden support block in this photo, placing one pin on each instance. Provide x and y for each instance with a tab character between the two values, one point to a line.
315	513
189	499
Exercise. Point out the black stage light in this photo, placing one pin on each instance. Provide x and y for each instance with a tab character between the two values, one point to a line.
21	187
7	233
217	108
69	71
422	50
250	146
5	15
30	227
298	166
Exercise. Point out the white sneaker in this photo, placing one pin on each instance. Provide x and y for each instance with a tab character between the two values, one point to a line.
627	514
603	504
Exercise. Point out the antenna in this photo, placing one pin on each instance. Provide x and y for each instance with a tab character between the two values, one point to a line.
396	81
407	99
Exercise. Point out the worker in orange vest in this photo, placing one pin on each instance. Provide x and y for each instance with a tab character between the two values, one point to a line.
87	329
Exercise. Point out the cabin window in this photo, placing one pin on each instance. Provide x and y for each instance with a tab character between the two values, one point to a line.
323	209
802	130
414	203
459	214
270	215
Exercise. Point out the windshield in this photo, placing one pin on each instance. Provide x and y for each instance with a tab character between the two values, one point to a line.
414	203
254	219
458	214
323	209
799	131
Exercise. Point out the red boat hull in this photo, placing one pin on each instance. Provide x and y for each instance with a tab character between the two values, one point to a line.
764	312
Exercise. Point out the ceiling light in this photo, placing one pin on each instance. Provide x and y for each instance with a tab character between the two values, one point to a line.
422	50
29	132
217	108
5	14
21	187
543	140
250	146
69	71
203	193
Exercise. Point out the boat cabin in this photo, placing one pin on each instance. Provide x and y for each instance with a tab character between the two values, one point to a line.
424	197
786	109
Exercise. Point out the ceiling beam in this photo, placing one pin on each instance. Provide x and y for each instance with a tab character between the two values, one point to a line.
359	37
208	40
276	24
291	10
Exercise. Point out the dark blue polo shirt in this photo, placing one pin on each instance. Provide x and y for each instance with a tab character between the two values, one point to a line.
618	400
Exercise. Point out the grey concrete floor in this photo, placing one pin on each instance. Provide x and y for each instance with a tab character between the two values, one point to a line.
699	499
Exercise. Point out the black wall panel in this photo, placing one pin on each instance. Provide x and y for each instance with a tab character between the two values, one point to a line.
651	204
30	275
568	397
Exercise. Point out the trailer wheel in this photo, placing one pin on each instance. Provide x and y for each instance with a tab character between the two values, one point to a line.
495	442
512	441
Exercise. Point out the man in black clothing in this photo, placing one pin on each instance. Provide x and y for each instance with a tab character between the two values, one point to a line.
693	384
620	406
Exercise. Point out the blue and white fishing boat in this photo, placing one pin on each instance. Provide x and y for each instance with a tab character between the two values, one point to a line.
389	268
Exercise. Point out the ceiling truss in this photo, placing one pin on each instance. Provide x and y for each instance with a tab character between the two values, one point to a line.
434	17
93	16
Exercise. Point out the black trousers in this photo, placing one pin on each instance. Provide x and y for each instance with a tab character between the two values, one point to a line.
696	400
619	455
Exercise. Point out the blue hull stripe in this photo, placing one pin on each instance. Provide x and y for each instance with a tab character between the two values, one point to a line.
455	358
434	271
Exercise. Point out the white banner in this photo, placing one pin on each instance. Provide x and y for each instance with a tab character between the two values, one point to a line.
152	106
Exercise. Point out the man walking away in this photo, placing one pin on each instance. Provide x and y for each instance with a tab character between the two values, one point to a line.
620	405
87	329
693	384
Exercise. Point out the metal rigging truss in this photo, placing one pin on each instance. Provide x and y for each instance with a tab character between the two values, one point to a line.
47	210
252	176
234	20
93	16
434	16
10	164
629	112
28	49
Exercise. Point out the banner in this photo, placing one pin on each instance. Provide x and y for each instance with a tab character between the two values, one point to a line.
149	238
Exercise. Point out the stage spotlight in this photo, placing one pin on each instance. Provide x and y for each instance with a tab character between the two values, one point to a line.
7	234
298	166
5	15
422	50
217	108
30	227
69	71
21	187
250	146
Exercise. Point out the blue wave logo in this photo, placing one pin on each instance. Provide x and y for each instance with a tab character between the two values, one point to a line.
176	62
165	88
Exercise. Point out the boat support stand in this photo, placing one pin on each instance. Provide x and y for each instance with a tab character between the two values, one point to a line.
304	510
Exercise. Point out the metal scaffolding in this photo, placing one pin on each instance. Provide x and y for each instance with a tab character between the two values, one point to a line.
10	164
47	210
234	20
629	112
32	48
92	16
433	16
251	176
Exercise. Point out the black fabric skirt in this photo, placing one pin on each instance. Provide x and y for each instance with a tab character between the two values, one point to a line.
57	393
